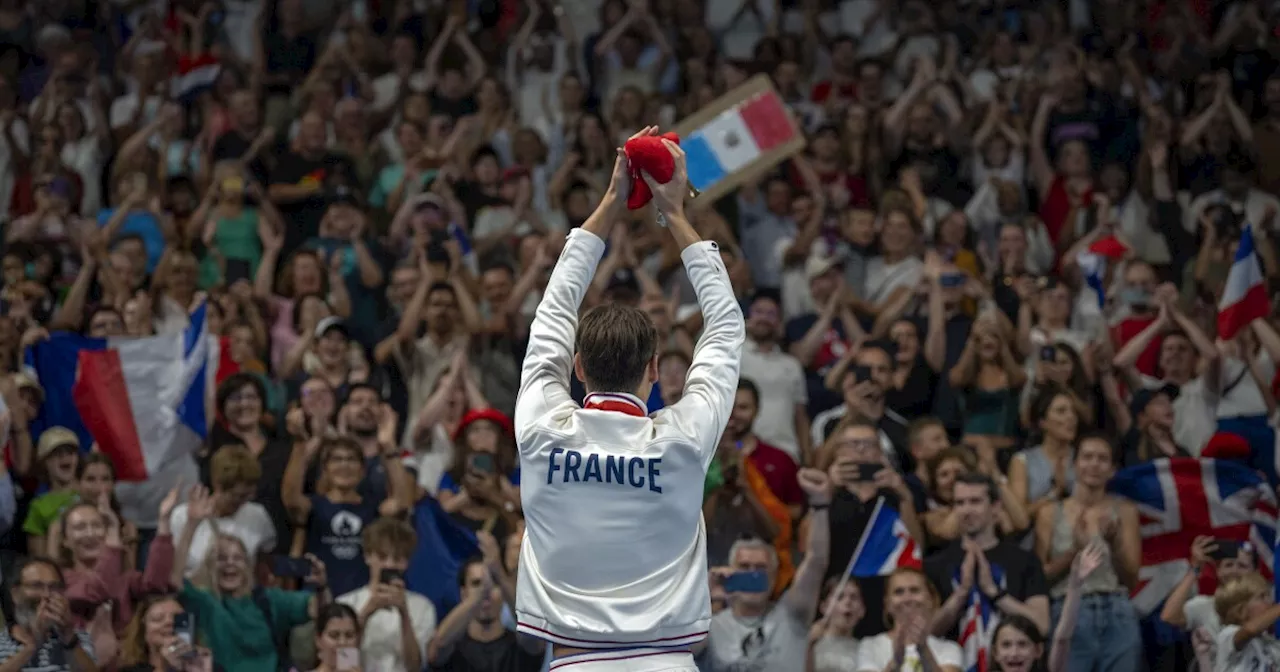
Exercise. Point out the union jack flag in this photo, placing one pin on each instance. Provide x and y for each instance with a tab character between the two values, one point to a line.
978	622
1181	498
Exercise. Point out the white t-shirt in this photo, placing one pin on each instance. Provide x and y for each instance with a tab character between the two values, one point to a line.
1195	413
1243	399
1260	654
125	107
883	278
380	646
875	653
250	524
781	382
1200	613
386	89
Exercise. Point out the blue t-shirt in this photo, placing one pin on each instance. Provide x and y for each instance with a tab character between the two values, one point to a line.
333	536
143	224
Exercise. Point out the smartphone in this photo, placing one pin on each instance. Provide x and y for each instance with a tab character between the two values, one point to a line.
236	270
184	628
861	374
867	472
746	582
1227	549
1048	353
348	658
952	279
482	462
389	576
286	567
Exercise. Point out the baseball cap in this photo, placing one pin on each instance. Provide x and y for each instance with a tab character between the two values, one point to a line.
817	264
491	414
1143	397
329	323
24	381
54	438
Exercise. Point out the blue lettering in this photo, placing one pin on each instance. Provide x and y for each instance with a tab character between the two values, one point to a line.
613	469
633	465
653	474
572	460
552	468
592	470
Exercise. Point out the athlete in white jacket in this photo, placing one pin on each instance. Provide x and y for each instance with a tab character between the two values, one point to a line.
613	568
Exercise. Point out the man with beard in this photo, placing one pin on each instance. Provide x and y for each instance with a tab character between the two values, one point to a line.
42	635
980	568
472	637
777	468
372	425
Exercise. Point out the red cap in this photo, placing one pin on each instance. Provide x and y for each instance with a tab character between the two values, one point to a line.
1109	247
1226	446
491	414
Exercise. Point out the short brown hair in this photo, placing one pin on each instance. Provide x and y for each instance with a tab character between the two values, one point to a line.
615	343
233	465
391	537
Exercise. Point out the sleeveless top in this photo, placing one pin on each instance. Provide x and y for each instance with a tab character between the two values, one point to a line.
1040	472
1104	579
990	412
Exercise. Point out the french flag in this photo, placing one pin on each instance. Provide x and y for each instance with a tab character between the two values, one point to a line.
885	545
736	138
1244	299
195	75
143	400
1093	263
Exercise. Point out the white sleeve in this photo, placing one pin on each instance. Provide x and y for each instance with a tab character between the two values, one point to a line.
799	386
548	359
1226	642
267	544
712	381
873	654
423	617
946	652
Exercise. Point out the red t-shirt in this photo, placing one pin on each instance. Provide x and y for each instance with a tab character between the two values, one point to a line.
779	472
1056	205
822	91
1149	361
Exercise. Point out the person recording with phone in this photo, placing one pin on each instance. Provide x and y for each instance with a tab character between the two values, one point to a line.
862	476
397	623
161	638
864	378
755	632
338	633
482	490
1229	559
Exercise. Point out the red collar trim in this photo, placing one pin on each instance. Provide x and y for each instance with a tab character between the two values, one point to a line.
616	401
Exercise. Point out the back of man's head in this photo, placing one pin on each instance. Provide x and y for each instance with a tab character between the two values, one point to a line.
615	345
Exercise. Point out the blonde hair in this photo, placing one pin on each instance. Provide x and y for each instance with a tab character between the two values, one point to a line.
206	574
1235	594
233	465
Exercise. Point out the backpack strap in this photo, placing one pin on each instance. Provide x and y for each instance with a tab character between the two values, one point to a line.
281	640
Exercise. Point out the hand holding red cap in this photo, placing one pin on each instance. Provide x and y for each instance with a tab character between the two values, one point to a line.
646	153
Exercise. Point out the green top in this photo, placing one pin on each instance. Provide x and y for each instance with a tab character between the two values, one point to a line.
45	510
236	238
237	630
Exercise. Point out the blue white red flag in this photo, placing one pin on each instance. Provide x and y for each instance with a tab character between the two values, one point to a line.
886	545
142	400
978	623
1244	298
195	76
1181	498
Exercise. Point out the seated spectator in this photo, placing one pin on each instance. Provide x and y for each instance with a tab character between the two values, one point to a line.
246	625
397	623
234	472
149	643
472	636
43	628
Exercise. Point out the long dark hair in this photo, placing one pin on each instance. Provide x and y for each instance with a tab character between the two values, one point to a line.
1025	626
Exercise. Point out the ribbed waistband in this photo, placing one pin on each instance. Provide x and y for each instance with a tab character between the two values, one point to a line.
642	659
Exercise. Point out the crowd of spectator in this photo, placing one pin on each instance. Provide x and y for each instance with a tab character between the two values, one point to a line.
367	196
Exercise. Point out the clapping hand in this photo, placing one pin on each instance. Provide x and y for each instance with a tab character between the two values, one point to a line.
1090	559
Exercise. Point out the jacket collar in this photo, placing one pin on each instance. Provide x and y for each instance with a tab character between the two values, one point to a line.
616	401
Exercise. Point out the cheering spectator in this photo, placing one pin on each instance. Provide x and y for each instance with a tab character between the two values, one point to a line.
43	627
472	636
150	643
234	473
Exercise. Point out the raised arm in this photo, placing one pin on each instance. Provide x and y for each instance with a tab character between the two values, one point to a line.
548	360
712	380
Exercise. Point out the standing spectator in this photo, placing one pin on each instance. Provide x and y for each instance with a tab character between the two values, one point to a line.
783	420
472	637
